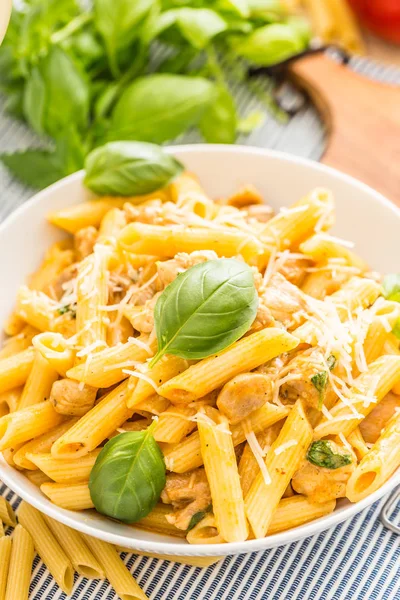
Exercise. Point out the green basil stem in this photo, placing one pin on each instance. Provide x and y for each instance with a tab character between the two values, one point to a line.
73	26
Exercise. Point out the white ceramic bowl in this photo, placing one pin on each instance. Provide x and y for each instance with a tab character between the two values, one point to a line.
363	216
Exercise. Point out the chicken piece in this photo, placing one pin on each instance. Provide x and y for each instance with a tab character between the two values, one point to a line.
294	270
244	394
168	270
142	317
149	212
84	241
321	484
68	399
189	494
373	424
244	197
60	286
263	318
310	378
283	299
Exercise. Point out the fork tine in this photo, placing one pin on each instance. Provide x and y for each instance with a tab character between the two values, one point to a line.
387	511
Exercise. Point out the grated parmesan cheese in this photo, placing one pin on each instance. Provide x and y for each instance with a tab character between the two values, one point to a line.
280	449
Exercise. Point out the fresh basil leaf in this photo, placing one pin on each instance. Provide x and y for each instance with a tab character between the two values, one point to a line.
302	27
197	517
199	25
238	7
158	108
56	95
320	381
253	120
219	122
331	362
205	309
117	21
129	169
270	44
321	454
36	168
128	476
396	330
391	287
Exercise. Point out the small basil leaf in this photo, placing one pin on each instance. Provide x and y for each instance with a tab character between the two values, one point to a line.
158	108
219	122
270	44
321	454
199	25
36	168
396	329
331	362
391	287
129	169
238	7
320	381
34	101
205	309
197	517
128	476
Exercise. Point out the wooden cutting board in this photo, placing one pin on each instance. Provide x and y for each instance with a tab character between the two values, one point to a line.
362	117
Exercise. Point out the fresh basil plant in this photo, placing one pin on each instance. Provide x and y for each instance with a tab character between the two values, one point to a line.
128	476
129	169
205	309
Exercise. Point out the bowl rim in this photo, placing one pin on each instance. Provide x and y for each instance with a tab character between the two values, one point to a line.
182	548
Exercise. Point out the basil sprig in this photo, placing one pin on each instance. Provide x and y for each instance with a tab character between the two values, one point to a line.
322	454
129	169
128	476
205	309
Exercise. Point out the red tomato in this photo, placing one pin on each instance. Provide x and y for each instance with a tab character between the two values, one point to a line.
381	16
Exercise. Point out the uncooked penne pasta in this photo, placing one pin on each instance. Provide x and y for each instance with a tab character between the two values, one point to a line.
378	464
369	388
47	546
218	453
15	369
296	510
75	548
38	385
5	555
94	427
2	532
281	462
64	470
168	367
74	496
194	561
20	567
6	513
117	574
211	373
23	425
55	349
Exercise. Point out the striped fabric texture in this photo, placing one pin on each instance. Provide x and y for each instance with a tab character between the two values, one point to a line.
357	560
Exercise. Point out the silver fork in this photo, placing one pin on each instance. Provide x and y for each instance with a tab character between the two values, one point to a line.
387	512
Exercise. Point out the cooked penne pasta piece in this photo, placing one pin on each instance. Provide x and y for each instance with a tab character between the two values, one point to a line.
321	247
369	388
23	425
218	453
111	224
92	296
168	367
47	546
64	470
7	515
14	370
5	555
11	398
166	241
55	349
186	455
117	574
69	496
38	385
94	427
20	565
378	464
37	477
281	462
213	372
18	342
57	258
156	521
357	441
40	444
205	532
13	325
37	309
174	424
249	461
76	550
76	217
107	366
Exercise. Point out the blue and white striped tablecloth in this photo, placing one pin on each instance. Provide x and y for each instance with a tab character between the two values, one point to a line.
357	560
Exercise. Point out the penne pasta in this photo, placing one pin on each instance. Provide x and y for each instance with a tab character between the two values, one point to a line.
38	385
5	555
55	349
321	247
86	214
169	366
15	369
47	546
205	532
18	342
23	425
20	566
7	515
69	496
37	477
156	521
194	561
64	470
174	424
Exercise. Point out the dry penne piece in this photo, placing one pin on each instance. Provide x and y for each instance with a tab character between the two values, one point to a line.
6	513
281	462
117	573
94	427
23	425
75	548
213	372
2	532
55	349
15	369
5	555
75	496
20	566
47	546
378	464
64	470
186	455
38	385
